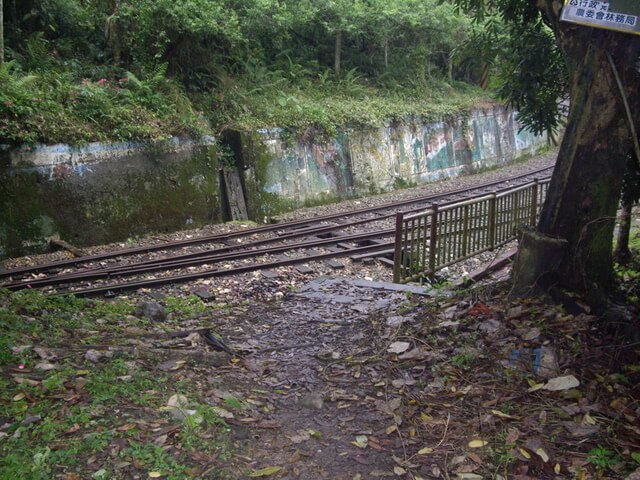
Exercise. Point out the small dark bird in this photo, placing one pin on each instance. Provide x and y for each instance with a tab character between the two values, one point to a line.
216	342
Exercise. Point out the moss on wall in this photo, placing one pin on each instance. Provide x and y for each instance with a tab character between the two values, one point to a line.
117	200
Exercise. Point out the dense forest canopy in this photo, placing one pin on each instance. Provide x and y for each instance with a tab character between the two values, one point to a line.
82	70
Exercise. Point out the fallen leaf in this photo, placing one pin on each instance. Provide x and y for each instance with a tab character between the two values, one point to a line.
155	474
178	400
476	458
531	334
26	381
73	429
265	472
398	347
171	365
524	453
19	397
500	414
542	454
300	436
222	413
562	383
419	353
478	443
399	471
580	431
425	451
480	309
361	441
391	429
535	387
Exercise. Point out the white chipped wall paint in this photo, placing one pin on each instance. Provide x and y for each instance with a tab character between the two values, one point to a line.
79	159
358	162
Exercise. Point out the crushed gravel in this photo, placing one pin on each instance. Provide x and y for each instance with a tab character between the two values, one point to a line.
274	284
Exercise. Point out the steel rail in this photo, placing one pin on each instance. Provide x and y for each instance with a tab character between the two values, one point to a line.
139	269
252	231
156	282
218	255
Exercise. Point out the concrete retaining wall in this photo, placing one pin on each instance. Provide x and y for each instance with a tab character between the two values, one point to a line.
110	192
101	193
362	162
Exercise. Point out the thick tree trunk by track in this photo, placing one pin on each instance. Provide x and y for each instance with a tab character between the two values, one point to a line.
622	253
585	189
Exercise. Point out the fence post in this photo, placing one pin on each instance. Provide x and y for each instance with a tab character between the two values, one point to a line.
397	255
465	230
534	203
433	239
492	221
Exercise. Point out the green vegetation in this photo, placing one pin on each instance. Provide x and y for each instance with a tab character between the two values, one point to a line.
63	414
55	106
79	71
602	458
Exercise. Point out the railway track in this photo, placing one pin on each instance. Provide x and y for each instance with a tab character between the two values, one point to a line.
357	233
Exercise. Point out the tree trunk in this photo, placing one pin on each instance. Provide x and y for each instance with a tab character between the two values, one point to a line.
623	254
386	52
1	32
338	52
484	75
585	188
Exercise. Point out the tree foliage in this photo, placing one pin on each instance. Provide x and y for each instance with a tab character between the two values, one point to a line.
233	58
582	200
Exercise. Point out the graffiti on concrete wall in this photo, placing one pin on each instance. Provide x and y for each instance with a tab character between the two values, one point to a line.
359	162
323	168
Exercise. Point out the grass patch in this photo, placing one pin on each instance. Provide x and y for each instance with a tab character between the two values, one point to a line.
63	415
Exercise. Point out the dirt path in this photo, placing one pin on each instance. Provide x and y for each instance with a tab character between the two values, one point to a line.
317	357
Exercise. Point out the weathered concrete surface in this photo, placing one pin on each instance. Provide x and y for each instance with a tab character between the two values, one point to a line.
363	162
104	192
101	193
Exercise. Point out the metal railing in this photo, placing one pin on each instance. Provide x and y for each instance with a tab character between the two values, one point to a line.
443	235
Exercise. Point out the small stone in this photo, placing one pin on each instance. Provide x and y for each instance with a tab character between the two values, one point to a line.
204	294
95	355
158	296
395	321
45	366
181	414
45	354
335	264
29	419
151	310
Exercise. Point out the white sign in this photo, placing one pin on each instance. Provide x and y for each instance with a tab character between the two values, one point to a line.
619	15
